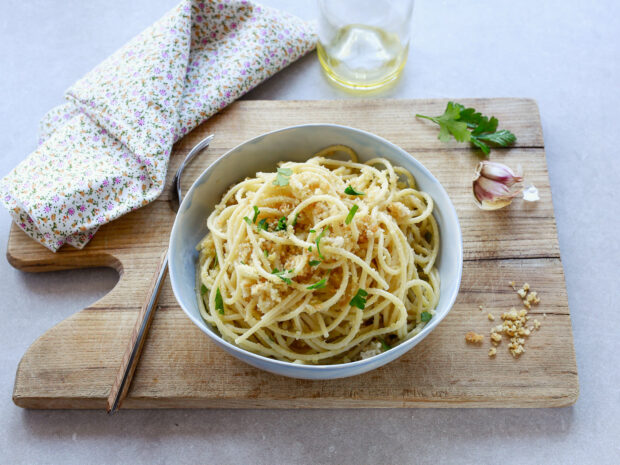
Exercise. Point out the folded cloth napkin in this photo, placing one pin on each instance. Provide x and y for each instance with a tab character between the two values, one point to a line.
105	152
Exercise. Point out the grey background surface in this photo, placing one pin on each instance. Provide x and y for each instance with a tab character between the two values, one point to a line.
565	54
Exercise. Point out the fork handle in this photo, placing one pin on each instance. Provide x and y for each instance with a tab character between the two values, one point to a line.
138	336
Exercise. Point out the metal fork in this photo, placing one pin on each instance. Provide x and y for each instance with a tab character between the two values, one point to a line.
143	322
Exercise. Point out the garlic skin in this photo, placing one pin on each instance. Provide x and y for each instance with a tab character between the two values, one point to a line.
495	185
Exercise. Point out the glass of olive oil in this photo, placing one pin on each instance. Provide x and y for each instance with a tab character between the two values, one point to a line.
363	44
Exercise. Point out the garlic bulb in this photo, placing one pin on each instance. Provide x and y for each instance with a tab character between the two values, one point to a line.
495	185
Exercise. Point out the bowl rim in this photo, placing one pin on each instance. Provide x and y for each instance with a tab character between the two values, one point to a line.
403	347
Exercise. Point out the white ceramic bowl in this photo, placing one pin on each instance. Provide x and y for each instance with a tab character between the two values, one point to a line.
298	143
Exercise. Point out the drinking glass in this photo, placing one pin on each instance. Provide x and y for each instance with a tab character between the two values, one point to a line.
363	44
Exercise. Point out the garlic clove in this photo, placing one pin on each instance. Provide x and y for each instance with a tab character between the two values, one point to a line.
498	172
495	185
530	194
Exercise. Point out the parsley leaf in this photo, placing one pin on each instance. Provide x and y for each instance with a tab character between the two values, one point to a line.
256	212
262	224
247	220
449	124
314	262
469	125
203	289
350	191
384	345
281	224
359	300
219	302
351	214
280	274
319	285
282	177
425	317
266	252
318	240
295	219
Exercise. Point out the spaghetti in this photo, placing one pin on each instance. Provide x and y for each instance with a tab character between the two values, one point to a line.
326	261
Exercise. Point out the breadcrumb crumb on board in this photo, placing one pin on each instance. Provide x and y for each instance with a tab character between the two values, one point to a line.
473	338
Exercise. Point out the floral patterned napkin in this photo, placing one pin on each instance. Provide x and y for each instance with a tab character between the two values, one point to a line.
105	152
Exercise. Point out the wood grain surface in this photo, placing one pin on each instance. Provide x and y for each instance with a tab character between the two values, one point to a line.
74	364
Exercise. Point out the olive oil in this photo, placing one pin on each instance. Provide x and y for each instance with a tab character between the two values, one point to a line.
363	57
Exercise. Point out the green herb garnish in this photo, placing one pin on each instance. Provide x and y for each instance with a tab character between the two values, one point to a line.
282	177
318	240
351	214
219	302
384	345
359	300
468	125
295	219
319	285
266	252
256	212
425	317
310	249
203	289
281	226
247	220
262	224
280	274
314	262
350	191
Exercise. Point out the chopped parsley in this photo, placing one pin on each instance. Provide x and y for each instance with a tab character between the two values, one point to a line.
351	214
350	191
219	302
359	300
256	212
247	220
266	252
310	249
314	262
281	226
203	289
295	219
282	177
384	345
318	240
280	274
319	285
425	317
262	224
313	231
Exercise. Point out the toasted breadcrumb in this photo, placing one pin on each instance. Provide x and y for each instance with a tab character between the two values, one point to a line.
473	338
514	324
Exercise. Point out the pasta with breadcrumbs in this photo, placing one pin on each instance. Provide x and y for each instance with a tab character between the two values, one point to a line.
321	262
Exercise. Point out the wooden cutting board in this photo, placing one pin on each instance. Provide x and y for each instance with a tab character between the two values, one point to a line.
73	365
